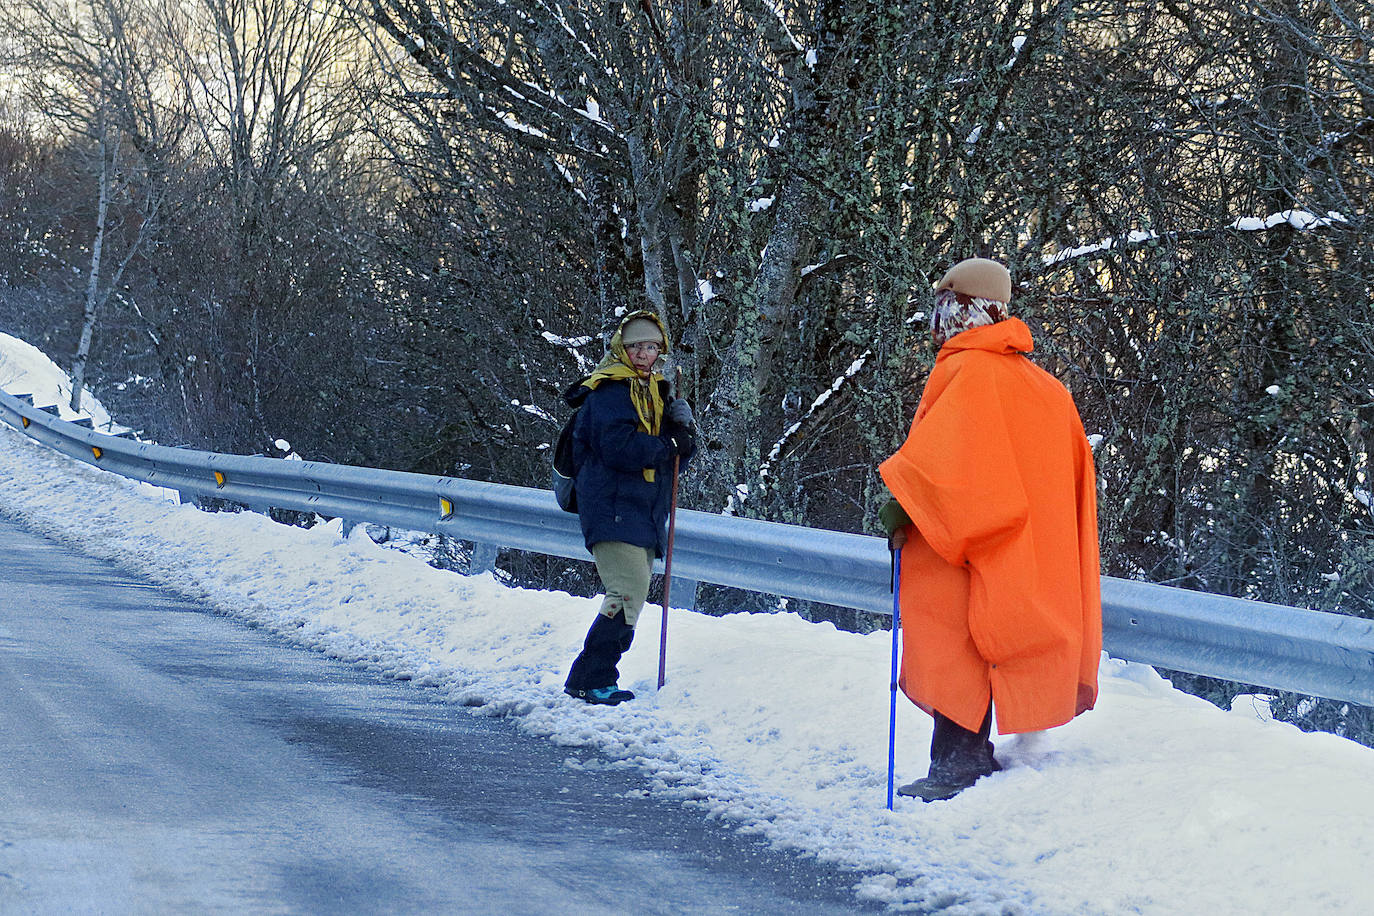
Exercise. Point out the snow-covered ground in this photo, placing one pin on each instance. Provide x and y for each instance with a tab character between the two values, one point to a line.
1156	802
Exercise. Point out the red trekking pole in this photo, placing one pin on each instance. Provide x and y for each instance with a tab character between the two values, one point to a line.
667	580
668	563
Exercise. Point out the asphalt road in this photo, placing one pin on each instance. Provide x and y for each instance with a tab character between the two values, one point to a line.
157	758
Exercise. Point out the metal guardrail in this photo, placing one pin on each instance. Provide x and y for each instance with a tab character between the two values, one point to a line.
1268	645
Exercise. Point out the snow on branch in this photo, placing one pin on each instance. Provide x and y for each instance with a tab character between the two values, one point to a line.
776	451
555	106
1135	237
574	347
510	121
838	262
776	10
556	11
534	113
570	178
1300	220
535	410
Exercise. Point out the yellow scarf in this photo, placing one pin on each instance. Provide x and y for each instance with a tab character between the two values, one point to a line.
645	394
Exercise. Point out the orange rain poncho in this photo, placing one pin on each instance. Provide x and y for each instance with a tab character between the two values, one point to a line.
1000	588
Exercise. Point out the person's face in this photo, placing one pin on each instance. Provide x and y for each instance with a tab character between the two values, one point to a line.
643	355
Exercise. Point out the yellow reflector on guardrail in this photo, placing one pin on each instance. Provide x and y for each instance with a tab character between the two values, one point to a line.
445	508
219	479
25	421
97	451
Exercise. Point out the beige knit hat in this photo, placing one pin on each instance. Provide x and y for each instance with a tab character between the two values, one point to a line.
979	278
640	330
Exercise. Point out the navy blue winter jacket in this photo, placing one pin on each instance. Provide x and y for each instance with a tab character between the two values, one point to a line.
610	453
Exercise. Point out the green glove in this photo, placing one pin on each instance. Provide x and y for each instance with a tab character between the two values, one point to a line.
893	516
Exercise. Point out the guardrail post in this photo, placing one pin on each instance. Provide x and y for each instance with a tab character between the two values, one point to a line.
483	558
348	525
187	498
681	589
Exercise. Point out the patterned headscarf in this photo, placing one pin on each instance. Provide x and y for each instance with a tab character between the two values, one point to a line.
646	390
955	313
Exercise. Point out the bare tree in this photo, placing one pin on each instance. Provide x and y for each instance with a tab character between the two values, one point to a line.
94	69
724	141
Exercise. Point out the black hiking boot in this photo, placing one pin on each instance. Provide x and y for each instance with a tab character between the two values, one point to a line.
944	783
929	789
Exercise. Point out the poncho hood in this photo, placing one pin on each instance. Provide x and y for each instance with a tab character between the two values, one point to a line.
1008	336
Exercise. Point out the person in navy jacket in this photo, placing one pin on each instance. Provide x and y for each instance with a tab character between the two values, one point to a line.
626	436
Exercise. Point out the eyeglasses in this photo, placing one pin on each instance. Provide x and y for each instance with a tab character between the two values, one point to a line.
645	347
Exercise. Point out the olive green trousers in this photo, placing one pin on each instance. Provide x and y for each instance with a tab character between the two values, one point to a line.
624	570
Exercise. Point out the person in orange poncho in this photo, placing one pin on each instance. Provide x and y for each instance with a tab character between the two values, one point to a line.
995	513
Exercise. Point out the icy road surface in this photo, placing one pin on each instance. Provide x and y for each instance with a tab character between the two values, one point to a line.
158	758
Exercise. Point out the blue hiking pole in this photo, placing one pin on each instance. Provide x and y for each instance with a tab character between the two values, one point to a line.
892	718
